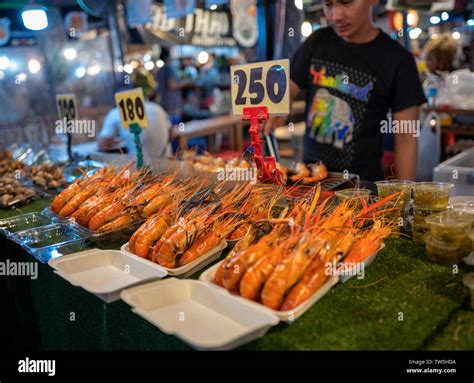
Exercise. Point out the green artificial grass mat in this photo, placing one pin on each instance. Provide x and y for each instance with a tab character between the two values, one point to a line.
399	305
458	334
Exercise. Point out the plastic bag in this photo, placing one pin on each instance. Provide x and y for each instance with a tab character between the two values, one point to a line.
429	147
457	91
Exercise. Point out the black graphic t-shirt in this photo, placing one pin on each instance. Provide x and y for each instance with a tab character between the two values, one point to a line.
351	88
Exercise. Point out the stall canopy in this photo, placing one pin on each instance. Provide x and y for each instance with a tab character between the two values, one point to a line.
229	23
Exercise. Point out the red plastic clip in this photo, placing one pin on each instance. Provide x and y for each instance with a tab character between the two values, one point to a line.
266	166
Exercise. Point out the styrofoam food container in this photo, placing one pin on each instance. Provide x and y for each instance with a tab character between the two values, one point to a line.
105	272
352	272
285	316
204	317
190	268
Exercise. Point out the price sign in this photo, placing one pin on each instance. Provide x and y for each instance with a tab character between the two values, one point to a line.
261	84
131	106
66	106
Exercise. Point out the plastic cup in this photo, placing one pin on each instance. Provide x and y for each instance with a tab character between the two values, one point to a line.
389	187
467	208
401	203
419	231
428	198
354	195
444	253
431	195
450	226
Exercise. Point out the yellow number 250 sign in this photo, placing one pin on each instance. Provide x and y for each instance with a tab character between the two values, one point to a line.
131	106
261	84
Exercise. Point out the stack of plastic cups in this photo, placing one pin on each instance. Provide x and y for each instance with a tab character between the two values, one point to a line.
448	241
468	208
399	205
428	198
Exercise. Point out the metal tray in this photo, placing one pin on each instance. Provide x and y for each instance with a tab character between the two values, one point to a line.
34	240
24	222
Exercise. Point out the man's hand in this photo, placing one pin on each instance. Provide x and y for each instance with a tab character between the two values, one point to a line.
107	144
272	123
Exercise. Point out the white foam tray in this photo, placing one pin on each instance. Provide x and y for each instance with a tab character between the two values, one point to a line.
191	268
204	317
105	273
285	316
352	272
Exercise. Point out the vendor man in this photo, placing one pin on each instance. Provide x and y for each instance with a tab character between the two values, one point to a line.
155	138
354	75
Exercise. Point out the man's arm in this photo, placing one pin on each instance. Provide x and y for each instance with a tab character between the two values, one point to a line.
406	144
276	121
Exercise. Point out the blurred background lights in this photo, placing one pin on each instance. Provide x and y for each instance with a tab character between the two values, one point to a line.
445	16
415	33
80	72
21	77
146	58
149	65
128	68
34	66
203	57
213	7
435	20
4	62
306	28
456	35
93	70
70	53
299	4
160	64
412	18
35	19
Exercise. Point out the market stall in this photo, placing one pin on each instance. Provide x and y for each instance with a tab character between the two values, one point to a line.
402	301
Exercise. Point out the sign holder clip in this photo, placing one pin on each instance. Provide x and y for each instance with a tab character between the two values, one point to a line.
266	166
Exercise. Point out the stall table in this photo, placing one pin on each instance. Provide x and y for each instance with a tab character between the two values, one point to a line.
227	124
403	303
464	129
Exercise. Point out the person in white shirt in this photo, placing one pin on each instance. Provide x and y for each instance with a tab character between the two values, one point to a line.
155	138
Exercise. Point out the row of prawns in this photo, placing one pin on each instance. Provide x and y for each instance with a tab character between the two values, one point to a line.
180	233
285	267
113	198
